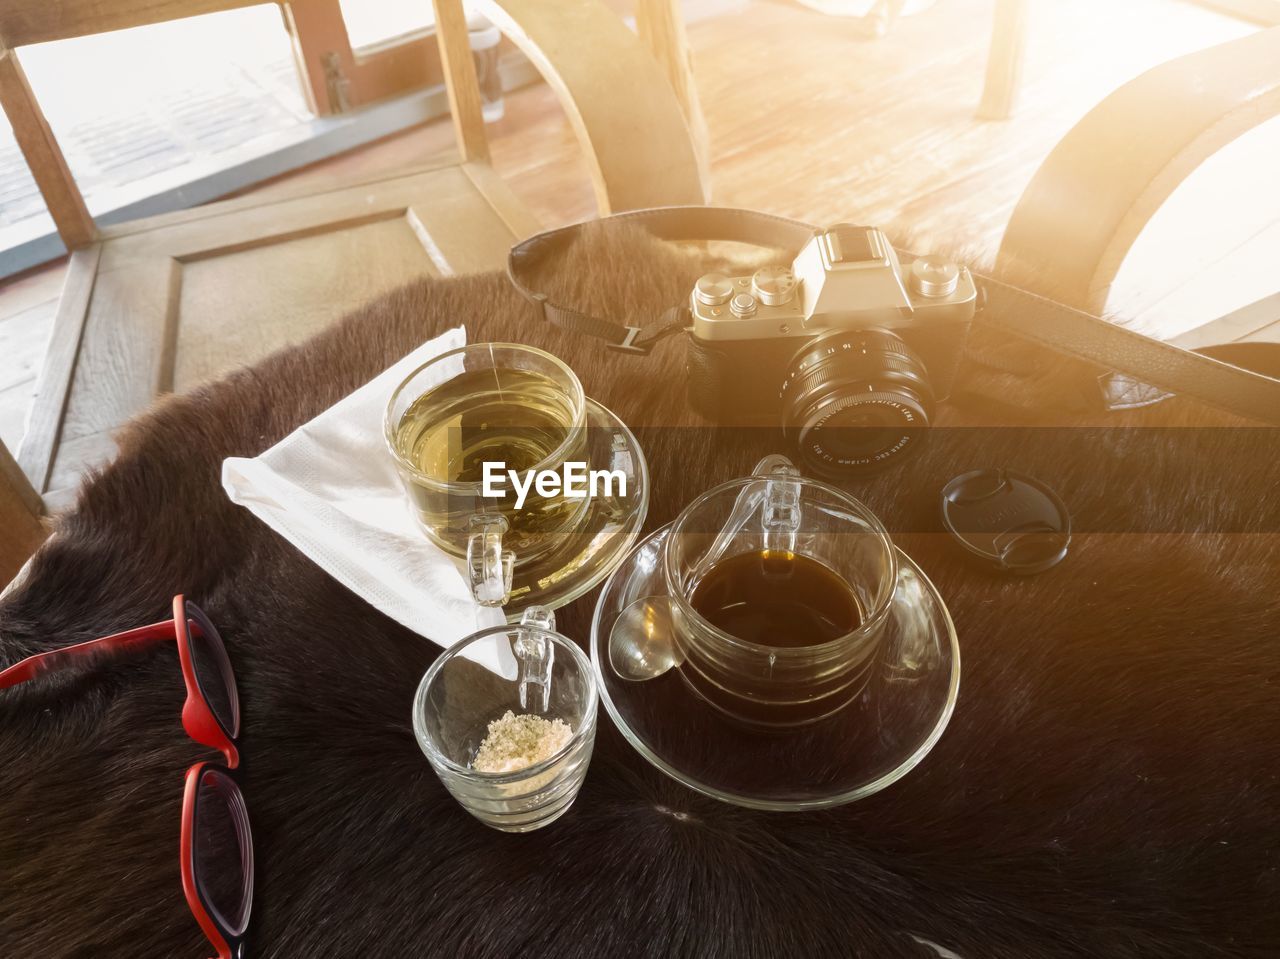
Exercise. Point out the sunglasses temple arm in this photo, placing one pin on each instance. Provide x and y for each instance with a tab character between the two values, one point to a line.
56	659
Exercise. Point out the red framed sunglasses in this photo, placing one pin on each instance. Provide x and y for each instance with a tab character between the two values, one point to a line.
216	853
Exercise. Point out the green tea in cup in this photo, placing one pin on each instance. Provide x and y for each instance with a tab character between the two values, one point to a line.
469	431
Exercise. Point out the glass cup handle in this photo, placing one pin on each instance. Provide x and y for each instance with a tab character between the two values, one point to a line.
770	500
780	514
489	566
536	654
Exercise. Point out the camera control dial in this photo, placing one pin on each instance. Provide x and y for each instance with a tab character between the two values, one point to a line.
713	289
934	276
774	285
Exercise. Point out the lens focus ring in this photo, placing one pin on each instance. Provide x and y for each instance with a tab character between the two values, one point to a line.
819	375
852	401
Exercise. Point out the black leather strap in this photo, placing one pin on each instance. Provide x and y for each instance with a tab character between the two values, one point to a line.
1159	364
1006	308
665	223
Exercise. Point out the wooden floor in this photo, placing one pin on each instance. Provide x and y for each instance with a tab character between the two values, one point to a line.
808	120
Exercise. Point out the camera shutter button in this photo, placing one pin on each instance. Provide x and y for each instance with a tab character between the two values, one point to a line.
743	305
934	276
713	289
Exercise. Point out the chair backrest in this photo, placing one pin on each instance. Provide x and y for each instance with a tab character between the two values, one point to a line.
24	22
640	171
1093	195
37	21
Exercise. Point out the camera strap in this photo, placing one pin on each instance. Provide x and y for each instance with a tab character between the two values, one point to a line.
1003	307
676	223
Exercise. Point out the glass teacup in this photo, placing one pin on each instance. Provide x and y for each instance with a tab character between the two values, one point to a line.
488	403
779	513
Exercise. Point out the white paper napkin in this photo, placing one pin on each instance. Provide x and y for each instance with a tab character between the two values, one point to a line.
331	489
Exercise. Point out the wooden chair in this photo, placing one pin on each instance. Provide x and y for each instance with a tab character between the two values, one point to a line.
1103	182
161	304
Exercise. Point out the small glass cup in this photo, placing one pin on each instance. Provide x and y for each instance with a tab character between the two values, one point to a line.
475	404
778	509
524	668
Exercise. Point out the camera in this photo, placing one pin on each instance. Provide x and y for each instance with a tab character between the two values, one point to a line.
851	347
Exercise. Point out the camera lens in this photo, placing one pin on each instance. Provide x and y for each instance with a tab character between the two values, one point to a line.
854	401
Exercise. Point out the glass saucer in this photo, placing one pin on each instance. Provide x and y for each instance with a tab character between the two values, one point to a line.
601	536
871	743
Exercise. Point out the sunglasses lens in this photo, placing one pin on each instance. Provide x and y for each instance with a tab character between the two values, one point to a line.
222	851
213	670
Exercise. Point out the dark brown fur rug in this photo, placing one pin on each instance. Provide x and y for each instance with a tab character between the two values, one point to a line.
1108	787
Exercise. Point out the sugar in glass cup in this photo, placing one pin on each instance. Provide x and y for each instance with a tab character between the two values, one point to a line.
764	685
526	668
499	402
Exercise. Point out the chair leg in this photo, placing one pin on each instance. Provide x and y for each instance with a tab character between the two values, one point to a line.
1004	62
660	24
21	527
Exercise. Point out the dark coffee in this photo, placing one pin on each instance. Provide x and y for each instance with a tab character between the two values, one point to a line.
777	598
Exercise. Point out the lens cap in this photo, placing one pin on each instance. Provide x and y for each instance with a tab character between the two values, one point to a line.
1010	521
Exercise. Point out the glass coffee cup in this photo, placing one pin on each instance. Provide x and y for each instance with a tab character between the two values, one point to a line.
488	403
778	588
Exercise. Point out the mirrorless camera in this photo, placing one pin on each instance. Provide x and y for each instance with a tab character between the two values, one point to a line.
851	347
